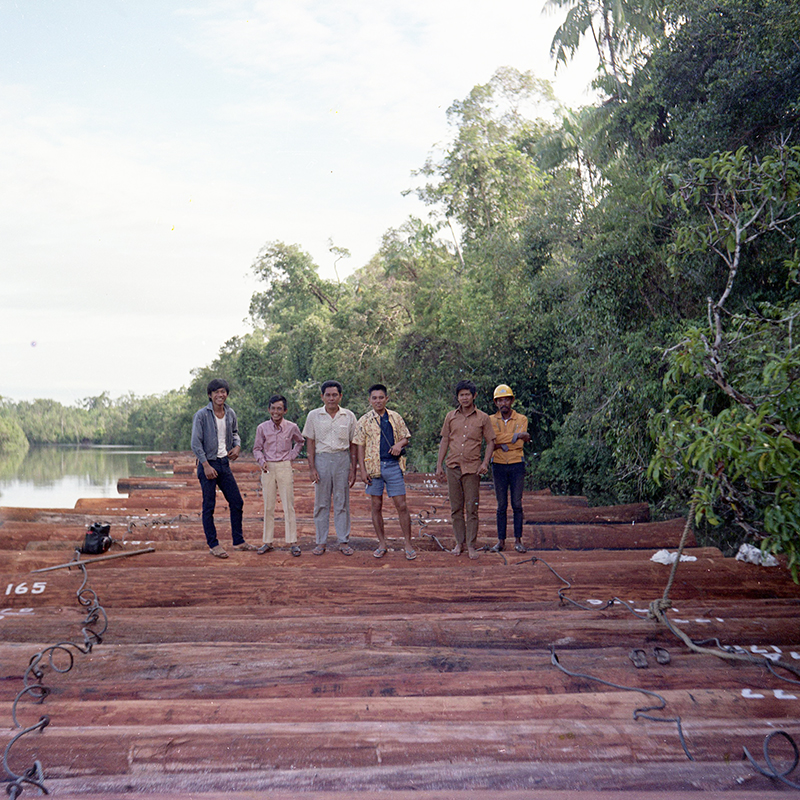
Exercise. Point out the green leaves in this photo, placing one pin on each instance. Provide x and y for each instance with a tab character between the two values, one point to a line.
745	440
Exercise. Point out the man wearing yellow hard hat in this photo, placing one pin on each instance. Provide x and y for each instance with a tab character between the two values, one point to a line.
508	464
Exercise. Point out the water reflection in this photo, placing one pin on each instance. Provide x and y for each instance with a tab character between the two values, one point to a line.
57	476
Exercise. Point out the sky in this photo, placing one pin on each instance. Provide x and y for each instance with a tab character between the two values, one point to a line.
150	149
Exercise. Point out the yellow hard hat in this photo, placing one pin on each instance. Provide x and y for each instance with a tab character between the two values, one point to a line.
503	391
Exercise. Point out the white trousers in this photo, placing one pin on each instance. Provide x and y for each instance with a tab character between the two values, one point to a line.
279	479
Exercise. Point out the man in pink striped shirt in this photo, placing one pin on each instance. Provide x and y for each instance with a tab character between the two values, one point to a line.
278	443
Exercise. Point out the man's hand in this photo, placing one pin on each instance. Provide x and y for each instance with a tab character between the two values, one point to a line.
396	450
365	477
209	471
265	467
484	468
234	454
352	481
440	474
312	471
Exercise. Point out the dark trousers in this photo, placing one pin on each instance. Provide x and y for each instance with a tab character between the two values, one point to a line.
508	477
230	491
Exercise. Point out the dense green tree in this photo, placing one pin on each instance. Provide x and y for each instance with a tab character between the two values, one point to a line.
160	422
12	438
727	75
487	175
622	32
739	435
565	252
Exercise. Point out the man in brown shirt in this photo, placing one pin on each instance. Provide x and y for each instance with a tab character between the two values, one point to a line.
463	433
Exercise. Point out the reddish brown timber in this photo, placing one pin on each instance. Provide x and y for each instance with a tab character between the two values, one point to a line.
330	666
697	704
246	578
633	512
467	782
175	550
362	744
641	535
150	482
535	624
170	524
344	664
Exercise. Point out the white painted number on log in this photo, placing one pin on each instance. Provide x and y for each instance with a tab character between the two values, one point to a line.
22	588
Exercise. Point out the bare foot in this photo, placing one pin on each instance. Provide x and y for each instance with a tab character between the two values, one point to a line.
473	554
457	550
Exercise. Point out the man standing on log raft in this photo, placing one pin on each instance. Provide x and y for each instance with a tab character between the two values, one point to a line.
278	443
462	434
329	433
216	442
508	464
381	438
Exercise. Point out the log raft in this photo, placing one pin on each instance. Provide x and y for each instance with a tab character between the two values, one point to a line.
355	677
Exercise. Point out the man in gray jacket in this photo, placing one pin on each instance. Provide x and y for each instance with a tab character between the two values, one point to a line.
216	442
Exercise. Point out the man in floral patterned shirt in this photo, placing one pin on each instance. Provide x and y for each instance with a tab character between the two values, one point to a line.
381	436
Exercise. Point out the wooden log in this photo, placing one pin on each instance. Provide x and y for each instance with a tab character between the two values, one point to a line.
361	744
246	577
679	780
704	704
645	535
634	512
319	665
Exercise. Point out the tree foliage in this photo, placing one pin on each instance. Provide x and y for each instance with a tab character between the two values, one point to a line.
629	268
741	433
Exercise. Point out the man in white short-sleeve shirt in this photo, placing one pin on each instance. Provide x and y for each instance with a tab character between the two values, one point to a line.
332	459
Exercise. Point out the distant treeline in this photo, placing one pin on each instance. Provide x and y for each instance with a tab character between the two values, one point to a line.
155	422
630	269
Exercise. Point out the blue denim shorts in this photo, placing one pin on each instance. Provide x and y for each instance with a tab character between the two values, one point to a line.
391	477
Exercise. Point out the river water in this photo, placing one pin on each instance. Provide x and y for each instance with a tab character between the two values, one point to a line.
57	476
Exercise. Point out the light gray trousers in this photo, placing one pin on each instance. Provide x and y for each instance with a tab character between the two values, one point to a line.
334	475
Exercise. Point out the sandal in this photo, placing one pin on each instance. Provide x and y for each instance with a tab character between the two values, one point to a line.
519	547
318	550
346	550
639	658
380	552
295	550
662	655
411	554
218	551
